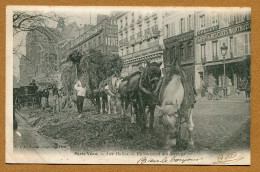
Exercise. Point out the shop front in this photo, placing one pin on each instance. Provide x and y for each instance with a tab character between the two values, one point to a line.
237	74
181	47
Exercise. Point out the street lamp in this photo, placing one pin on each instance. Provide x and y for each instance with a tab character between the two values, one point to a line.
224	52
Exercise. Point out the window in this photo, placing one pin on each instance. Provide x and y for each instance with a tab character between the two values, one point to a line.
126	21
166	31
140	46
127	51
182	25
231	42
133	48
121	23
189	23
189	50
215	50
182	52
116	41
202	21
214	19
203	52
99	39
108	41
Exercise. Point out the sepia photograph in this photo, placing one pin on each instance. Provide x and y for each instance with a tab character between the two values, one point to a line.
128	85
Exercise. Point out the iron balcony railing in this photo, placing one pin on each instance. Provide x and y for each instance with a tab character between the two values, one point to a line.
123	42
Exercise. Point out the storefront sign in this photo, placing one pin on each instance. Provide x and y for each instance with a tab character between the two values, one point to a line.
210	29
180	38
224	32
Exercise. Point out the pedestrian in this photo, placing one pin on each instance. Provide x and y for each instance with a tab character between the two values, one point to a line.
81	92
56	98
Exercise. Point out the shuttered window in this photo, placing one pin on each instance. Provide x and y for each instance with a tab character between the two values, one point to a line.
231	45
235	46
182	25
215	50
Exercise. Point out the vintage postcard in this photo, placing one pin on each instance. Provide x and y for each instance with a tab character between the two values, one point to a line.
128	85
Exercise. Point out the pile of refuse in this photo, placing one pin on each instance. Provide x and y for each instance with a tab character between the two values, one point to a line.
90	133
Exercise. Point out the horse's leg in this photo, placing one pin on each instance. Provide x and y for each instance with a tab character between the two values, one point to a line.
141	112
136	113
101	104
190	125
151	118
115	104
109	104
122	106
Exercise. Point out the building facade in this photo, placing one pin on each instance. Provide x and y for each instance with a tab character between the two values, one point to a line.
139	39
44	54
213	28
179	41
102	37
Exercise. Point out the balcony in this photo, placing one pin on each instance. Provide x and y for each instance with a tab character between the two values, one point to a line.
121	29
147	31
139	21
147	19
126	25
123	42
143	52
154	15
132	26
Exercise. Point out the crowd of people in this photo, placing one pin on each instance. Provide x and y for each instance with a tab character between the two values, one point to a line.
57	95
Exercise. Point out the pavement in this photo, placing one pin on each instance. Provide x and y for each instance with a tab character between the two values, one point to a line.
27	137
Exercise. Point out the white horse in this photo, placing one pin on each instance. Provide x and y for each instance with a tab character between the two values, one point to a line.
172	112
110	88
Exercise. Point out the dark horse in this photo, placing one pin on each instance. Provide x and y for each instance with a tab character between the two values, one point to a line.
140	89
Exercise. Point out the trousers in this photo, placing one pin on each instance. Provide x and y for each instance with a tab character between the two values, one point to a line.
80	100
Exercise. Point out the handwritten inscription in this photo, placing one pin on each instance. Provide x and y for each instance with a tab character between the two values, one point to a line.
228	158
166	160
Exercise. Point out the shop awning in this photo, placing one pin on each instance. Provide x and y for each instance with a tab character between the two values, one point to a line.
233	60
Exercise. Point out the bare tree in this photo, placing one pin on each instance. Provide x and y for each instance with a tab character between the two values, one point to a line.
24	22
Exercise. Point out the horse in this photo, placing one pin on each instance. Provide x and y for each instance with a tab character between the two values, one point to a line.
139	89
176	104
109	87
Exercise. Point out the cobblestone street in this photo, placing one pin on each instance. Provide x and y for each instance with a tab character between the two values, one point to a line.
219	125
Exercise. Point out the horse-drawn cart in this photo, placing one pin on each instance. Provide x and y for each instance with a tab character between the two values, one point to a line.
26	96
